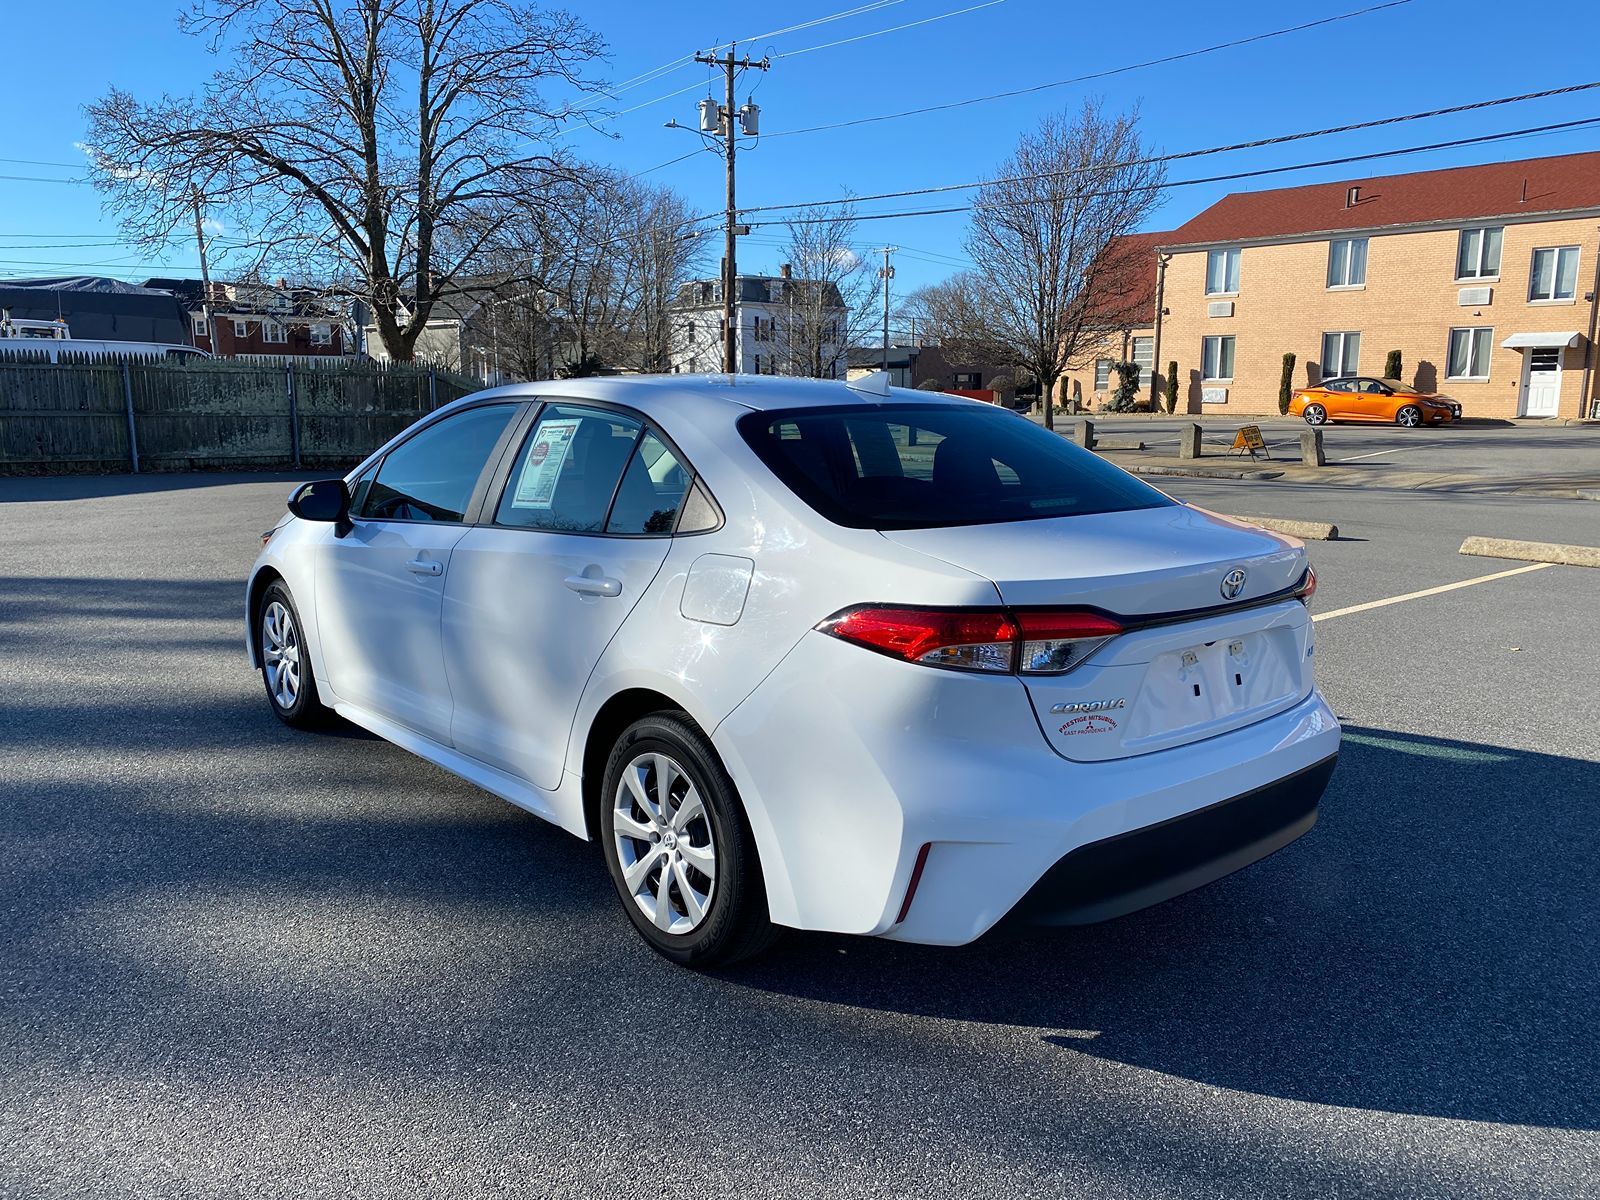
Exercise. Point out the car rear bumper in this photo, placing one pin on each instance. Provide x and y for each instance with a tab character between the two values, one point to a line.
1134	870
854	768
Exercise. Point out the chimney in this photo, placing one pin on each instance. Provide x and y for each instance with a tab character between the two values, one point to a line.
784	271
1352	196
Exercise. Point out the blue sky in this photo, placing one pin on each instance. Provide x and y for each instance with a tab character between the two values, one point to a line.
1425	54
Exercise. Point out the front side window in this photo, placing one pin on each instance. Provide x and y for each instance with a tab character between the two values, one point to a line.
1341	354
1102	374
1347	262
910	466
1222	272
1555	273
1478	253
1469	353
430	477
568	469
1216	357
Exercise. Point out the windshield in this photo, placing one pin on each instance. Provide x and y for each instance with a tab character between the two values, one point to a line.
917	466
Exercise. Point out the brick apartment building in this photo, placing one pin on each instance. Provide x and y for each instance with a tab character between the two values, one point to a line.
1486	279
255	320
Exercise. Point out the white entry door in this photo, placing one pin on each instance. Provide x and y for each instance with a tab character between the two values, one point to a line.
1541	383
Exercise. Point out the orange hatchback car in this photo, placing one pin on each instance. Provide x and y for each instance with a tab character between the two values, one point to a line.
1359	398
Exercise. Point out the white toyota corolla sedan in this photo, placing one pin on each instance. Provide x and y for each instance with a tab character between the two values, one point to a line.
802	653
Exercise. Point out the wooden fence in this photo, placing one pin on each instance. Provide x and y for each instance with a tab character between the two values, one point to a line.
152	414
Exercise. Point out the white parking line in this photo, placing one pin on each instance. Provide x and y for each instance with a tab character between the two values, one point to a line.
1375	453
1433	591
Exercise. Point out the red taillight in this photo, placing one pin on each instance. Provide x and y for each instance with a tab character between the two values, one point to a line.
973	640
1308	587
977	639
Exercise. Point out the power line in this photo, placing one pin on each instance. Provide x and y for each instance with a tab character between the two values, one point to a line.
1327	162
1154	62
1185	154
861	37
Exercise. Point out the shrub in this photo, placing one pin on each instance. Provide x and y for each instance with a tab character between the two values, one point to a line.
1127	386
1286	384
1172	386
1392	365
930	385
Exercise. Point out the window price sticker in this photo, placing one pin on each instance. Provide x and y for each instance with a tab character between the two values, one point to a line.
536	486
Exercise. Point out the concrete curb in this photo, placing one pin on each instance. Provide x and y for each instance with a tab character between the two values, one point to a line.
1549	552
1200	472
1589	493
1315	531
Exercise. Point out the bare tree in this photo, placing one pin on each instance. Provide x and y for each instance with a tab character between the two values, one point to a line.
1038	235
663	254
364	140
586	276
828	301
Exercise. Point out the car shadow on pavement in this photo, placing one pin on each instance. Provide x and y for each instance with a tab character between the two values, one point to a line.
1429	948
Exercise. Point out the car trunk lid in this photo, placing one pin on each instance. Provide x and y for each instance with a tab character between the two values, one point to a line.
1204	652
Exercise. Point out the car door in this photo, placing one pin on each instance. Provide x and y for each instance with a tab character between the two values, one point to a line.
380	587
1370	401
574	535
1335	397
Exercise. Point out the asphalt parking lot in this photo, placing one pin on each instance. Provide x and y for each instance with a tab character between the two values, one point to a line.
243	960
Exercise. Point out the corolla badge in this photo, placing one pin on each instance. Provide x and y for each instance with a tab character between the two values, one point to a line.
1089	706
1233	584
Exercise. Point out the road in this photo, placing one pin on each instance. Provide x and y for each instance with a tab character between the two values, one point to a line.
240	960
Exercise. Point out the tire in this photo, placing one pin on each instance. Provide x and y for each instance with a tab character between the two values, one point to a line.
285	662
713	909
1315	414
1410	416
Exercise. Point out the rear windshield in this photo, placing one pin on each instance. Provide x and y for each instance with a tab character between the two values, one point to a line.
914	466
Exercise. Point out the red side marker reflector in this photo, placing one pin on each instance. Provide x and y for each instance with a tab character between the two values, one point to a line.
916	878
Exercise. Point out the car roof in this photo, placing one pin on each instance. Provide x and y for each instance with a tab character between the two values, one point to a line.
755	393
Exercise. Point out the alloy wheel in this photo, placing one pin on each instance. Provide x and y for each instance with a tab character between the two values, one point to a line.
665	843
1315	414
280	654
1409	416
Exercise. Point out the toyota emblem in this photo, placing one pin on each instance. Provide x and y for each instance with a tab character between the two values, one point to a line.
1233	584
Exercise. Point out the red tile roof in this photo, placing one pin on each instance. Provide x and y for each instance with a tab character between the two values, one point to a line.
1562	183
1125	295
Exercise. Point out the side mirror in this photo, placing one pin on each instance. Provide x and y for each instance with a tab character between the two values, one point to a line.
323	500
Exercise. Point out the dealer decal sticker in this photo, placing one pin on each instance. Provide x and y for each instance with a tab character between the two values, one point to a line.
1093	723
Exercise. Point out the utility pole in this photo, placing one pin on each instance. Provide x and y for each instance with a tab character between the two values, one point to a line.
205	275
886	272
721	121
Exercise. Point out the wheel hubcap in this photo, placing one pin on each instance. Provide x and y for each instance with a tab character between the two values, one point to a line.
280	654
664	843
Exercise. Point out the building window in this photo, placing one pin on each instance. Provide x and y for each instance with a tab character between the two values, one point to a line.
1347	262
1478	253
322	335
1216	358
241	329
1222	272
200	329
1555	273
758	357
1144	357
971	381
1469	353
1102	374
1341	354
272	331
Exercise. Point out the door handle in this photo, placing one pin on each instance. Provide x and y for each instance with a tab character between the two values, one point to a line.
425	566
591	585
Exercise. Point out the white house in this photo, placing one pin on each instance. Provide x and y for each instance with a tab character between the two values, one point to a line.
779	328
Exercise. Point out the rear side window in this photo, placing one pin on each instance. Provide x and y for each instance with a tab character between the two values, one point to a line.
430	476
568	469
926	466
652	490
